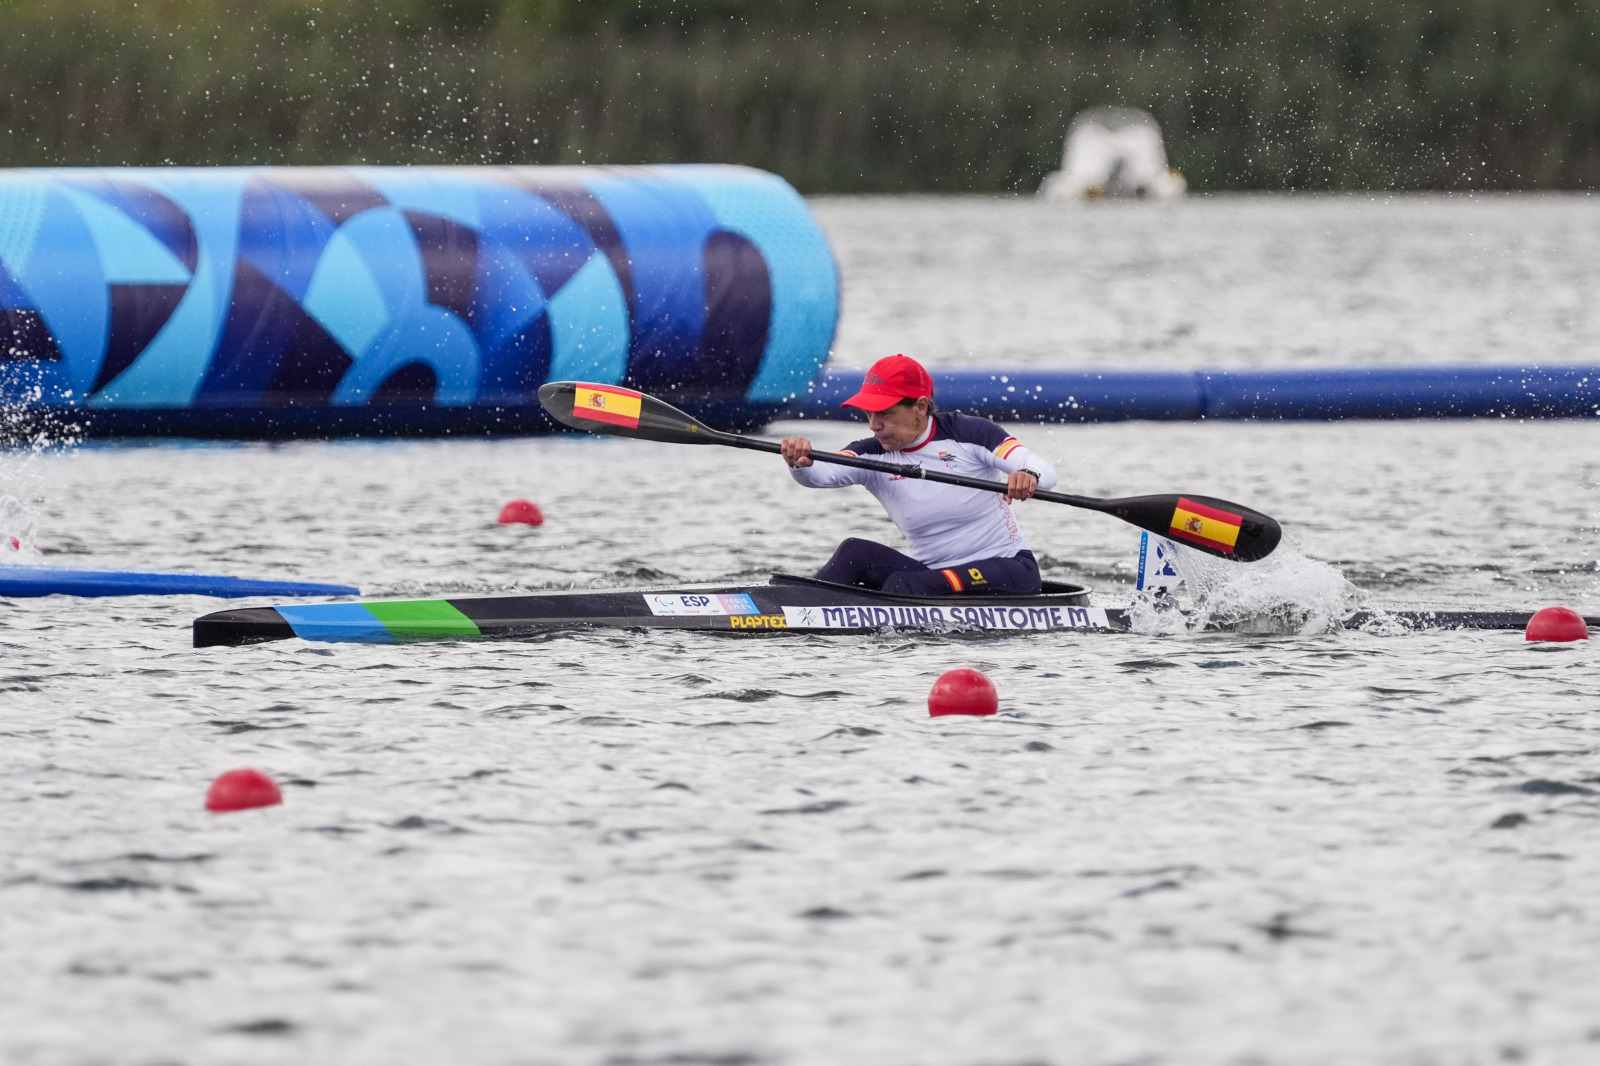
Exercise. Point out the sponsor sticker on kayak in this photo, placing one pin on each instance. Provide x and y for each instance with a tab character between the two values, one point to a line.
758	621
700	603
1158	564
953	616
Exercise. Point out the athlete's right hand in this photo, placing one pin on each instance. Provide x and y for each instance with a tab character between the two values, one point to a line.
797	451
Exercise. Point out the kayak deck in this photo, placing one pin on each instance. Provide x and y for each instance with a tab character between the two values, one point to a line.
787	602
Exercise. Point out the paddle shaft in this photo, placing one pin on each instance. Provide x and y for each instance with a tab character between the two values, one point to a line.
911	470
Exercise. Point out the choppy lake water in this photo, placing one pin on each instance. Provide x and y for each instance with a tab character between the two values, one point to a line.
1230	281
628	849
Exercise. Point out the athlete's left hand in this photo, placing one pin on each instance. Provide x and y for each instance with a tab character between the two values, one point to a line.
1020	485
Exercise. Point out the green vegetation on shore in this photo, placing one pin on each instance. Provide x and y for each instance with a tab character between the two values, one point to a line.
836	95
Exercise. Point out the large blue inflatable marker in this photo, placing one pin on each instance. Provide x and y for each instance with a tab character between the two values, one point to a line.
284	301
27	581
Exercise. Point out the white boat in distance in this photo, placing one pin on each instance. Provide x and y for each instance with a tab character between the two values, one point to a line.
1113	153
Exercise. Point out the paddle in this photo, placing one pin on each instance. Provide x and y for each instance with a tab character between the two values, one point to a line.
1204	523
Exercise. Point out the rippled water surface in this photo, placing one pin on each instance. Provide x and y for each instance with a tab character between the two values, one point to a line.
1223	281
668	848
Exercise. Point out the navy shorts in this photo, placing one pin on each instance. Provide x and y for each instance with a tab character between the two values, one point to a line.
877	566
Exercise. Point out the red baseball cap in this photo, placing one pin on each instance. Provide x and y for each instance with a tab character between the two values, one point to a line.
889	381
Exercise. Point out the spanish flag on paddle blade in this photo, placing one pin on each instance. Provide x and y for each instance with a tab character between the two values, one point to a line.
1199	524
605	403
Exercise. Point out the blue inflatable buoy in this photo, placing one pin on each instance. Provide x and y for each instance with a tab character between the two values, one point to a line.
27	581
284	302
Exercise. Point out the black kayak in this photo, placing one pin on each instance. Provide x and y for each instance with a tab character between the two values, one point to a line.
785	604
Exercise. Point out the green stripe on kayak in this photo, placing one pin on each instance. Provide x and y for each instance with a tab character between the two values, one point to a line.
422	618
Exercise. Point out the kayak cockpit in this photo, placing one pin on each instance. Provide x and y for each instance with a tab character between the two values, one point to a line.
1061	592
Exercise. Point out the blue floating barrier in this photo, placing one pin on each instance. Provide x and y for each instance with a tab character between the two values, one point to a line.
1403	392
1278	394
302	302
1034	395
27	581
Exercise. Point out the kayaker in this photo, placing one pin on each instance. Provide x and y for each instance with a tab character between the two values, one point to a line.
961	540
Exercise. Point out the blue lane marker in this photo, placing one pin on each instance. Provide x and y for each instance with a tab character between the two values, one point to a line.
335	621
23	581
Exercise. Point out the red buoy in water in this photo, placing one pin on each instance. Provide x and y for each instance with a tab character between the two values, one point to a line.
239	790
963	691
1557	623
521	512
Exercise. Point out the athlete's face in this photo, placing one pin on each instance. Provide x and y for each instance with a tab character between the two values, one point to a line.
899	426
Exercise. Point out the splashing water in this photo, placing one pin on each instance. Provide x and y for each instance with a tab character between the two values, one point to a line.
26	434
18	523
21	500
21	504
1283	593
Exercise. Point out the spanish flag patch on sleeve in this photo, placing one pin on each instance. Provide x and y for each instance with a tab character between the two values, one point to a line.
1199	524
605	403
1004	449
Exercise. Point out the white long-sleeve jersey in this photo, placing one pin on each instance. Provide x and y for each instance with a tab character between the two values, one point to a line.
944	524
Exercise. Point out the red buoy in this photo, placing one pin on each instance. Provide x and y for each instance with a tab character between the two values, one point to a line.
1557	623
521	512
963	691
239	790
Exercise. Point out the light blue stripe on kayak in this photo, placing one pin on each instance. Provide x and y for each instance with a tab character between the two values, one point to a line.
335	621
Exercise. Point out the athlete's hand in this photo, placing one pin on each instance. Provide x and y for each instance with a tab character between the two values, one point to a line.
1020	486
797	451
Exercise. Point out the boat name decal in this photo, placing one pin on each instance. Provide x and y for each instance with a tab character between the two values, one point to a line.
683	603
954	616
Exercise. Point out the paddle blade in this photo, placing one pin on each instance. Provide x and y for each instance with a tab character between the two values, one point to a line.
623	412
1217	527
